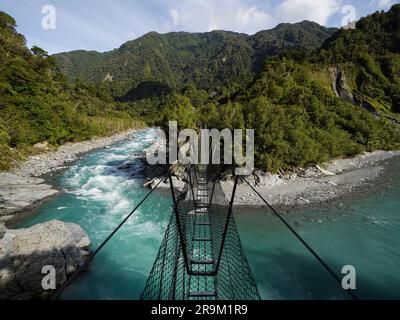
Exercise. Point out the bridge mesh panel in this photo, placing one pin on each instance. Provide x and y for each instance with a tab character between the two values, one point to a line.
201	256
167	280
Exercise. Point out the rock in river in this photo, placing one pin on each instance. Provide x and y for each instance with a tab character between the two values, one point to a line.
24	252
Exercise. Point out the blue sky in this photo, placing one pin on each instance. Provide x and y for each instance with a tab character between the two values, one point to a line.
103	25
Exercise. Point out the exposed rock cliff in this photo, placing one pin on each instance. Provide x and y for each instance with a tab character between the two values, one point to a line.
340	85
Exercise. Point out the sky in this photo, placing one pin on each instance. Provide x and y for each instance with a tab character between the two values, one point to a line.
102	25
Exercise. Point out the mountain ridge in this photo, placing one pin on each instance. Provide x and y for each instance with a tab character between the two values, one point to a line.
182	58
277	27
281	83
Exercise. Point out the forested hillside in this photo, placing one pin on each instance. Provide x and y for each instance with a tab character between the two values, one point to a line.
370	55
299	121
174	60
37	103
297	116
310	93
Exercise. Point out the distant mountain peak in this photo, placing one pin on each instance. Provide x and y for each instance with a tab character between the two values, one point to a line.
205	59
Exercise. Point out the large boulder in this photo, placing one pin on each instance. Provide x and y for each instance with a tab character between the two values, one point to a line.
24	253
266	179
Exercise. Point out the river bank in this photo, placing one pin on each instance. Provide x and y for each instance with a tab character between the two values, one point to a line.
23	188
99	190
104	185
313	187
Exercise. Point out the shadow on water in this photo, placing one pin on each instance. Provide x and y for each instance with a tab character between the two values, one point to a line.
280	275
100	285
137	168
364	232
287	275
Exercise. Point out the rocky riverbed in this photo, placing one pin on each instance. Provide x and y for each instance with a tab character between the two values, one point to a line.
22	188
65	155
63	246
313	186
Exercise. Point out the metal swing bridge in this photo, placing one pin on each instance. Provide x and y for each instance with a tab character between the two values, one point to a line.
201	256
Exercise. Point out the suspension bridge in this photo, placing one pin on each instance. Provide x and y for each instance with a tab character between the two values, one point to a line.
201	256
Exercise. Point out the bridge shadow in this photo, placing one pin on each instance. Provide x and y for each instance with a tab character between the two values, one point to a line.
279	275
287	275
107	280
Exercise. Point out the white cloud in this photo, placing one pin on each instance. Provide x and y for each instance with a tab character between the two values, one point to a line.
246	16
199	16
384	3
252	17
314	10
381	4
103	25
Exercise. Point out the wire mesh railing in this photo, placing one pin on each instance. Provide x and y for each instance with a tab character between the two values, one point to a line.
201	256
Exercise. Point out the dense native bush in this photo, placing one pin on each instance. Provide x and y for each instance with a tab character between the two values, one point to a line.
38	104
278	82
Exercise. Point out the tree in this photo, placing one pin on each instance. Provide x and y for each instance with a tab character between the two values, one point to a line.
178	108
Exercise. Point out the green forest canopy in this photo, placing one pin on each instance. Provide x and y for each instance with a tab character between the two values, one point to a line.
291	105
37	103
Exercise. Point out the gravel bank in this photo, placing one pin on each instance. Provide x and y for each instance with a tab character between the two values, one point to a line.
51	161
22	188
312	187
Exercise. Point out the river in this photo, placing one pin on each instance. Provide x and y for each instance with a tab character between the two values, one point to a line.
362	230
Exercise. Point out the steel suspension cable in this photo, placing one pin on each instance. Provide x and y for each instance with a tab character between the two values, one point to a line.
311	250
94	253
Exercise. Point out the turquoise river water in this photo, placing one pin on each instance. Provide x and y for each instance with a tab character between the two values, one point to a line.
363	231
